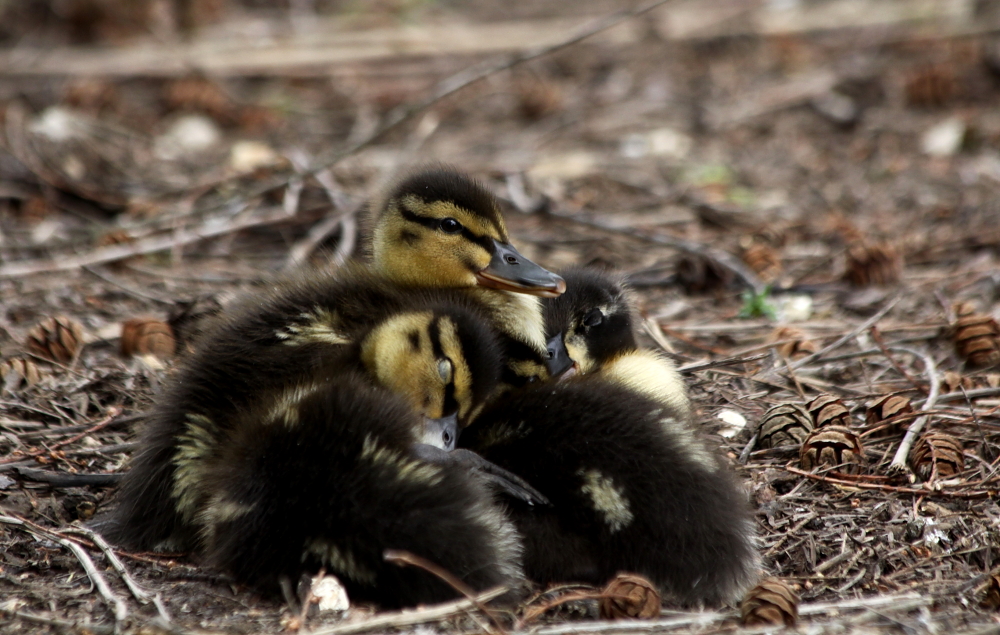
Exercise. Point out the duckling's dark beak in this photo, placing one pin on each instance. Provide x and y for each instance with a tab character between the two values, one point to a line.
558	361
441	433
510	271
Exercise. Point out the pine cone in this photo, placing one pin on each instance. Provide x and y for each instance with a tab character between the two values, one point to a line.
977	337
25	373
931	85
795	342
937	455
784	424
630	596
763	260
147	336
772	602
992	599
832	446
886	408
698	274
57	338
828	410
873	264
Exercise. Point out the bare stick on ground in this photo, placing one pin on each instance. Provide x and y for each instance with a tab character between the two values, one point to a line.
118	605
898	465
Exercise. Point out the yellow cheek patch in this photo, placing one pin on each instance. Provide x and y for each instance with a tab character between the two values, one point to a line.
451	345
576	348
399	354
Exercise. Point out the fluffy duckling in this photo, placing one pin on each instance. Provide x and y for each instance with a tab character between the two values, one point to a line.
595	320
632	489
326	469
440	228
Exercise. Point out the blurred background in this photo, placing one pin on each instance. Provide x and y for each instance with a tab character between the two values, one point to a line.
773	176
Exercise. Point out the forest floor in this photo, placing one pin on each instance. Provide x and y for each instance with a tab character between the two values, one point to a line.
841	159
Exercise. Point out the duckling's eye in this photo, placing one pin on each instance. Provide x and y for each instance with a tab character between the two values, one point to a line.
593	317
445	370
450	226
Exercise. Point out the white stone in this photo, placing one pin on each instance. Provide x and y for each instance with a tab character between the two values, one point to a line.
331	594
943	139
188	135
734	423
247	156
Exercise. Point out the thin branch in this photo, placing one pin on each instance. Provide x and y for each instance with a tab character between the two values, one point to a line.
410	618
137	591
119	607
70	627
898	465
724	258
864	326
405	558
208	229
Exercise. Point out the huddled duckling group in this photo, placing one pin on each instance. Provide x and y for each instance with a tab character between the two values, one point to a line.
315	426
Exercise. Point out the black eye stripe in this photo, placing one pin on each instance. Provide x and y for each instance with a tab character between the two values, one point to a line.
435	223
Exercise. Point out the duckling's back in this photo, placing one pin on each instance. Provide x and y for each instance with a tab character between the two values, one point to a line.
632	489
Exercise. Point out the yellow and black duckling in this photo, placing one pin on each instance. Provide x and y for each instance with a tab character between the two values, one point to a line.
595	320
439	233
326	467
631	489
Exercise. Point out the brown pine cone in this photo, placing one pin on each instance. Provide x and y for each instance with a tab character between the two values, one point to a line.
832	446
630	596
992	598
25	373
147	336
56	338
828	410
795	343
977	337
937	455
772	602
886	408
763	260
784	424
873	264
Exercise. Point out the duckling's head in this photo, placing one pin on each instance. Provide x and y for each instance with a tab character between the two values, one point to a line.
594	317
440	228
444	361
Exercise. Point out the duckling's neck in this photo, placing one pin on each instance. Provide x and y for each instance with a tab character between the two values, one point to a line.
517	315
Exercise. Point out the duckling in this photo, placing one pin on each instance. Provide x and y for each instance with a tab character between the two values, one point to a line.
631	490
439	228
595	320
325	468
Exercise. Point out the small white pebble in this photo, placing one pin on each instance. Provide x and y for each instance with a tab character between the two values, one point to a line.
331	594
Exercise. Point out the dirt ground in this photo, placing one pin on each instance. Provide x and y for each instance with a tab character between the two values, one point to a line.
840	158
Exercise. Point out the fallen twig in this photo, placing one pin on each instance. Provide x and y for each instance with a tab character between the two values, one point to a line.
898	465
137	591
842	340
410	618
725	259
112	414
69	627
208	229
120	609
969	494
405	558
